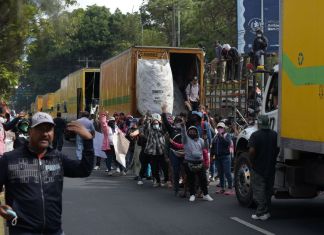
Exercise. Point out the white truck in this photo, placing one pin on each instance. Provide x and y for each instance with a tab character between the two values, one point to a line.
293	99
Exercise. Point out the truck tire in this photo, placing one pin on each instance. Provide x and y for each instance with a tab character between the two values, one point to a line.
242	180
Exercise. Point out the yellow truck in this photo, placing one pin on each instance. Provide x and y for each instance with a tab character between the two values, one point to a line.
38	103
32	107
48	103
79	91
141	78
293	99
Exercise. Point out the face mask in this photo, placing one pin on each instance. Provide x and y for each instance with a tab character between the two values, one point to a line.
156	127
193	136
2	120
111	124
220	130
178	126
259	35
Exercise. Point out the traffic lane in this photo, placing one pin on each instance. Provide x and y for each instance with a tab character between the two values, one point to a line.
297	216
118	206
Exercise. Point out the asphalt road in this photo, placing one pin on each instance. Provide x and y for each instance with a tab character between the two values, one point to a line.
116	205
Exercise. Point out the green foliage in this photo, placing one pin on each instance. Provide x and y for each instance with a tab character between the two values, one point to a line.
52	42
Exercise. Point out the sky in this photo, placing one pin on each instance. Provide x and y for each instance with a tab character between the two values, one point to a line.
124	5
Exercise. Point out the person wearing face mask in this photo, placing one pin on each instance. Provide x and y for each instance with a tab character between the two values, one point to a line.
194	148
131	135
176	154
155	148
220	152
111	154
6	126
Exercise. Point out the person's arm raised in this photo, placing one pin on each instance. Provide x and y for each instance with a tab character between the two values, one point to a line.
83	168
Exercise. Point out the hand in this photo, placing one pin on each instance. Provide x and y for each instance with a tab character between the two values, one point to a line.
183	123
21	114
3	212
164	108
80	130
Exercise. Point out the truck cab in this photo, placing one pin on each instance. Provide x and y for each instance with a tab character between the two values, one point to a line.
242	169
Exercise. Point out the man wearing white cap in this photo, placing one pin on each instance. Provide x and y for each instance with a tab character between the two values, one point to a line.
33	177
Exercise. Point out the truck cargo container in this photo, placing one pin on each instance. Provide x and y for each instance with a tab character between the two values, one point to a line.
120	75
38	103
79	91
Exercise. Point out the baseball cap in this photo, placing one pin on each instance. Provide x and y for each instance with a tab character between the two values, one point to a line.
40	118
263	122
156	116
111	119
221	124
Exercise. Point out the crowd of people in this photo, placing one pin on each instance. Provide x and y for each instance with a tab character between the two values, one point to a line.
187	151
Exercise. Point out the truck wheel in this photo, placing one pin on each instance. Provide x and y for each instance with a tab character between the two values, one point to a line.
242	177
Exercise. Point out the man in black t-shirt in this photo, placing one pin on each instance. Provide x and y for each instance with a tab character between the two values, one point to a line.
263	152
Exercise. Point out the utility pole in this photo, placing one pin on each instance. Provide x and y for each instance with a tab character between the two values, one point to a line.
174	35
179	15
262	56
87	61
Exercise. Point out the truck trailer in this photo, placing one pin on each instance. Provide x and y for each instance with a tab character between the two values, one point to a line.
134	82
79	92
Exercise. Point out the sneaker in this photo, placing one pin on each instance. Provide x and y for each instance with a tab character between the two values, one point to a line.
107	170
118	170
123	173
229	192
208	198
220	191
212	179
261	217
96	168
110	173
192	198
156	184
140	182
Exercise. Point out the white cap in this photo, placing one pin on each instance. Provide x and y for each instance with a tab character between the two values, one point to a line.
156	116
111	119
221	124
226	47
40	118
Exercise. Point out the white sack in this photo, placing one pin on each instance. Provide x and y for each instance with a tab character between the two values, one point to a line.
154	85
121	145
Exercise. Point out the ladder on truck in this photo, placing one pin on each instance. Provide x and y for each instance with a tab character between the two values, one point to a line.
224	98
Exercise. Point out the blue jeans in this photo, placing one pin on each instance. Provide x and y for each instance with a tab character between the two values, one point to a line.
129	159
223	164
213	168
79	147
176	166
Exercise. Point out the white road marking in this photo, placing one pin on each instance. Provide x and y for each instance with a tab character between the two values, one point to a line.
256	228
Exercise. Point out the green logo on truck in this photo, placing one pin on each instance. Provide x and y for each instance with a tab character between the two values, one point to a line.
313	75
